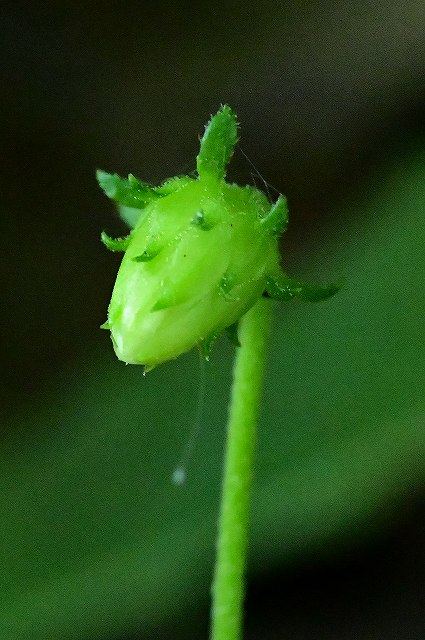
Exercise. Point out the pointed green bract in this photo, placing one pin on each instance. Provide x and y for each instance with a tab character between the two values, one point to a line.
280	287
276	220
200	254
129	192
217	144
114	244
132	195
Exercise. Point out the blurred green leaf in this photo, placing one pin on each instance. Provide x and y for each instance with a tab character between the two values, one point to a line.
95	537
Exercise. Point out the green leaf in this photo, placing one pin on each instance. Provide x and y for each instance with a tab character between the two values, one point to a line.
217	144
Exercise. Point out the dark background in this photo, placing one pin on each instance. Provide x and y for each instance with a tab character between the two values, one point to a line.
328	94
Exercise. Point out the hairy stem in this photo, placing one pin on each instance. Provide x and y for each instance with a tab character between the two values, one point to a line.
229	578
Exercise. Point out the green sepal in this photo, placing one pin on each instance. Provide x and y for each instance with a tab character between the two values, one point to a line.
217	144
172	185
129	192
276	221
280	287
105	326
232	334
115	244
206	346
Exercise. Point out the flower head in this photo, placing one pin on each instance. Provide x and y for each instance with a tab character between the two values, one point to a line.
201	253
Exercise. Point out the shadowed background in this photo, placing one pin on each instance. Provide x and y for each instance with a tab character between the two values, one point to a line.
95	541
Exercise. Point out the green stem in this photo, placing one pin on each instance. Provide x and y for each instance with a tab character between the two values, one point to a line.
229	578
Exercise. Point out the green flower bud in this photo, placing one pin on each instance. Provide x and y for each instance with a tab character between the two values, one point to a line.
201	253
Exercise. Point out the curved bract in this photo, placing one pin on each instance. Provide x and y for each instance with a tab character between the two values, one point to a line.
201	253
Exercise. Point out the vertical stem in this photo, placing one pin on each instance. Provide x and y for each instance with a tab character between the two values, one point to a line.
228	588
